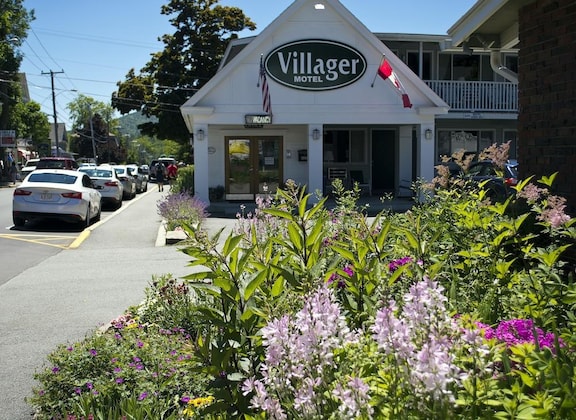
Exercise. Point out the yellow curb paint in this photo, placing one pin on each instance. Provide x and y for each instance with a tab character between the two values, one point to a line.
81	238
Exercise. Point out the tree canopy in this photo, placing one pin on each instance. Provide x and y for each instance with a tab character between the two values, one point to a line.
14	24
92	124
191	56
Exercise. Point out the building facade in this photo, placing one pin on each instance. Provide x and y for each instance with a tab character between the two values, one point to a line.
544	33
331	115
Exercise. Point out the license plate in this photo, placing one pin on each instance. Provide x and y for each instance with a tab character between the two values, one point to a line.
46	196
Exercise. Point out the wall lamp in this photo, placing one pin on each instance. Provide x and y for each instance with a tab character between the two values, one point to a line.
316	134
200	135
428	134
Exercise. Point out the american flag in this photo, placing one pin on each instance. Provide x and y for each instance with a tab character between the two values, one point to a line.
266	104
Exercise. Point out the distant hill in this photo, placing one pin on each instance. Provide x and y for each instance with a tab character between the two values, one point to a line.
130	123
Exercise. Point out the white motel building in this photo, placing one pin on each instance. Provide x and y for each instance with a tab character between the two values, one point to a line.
331	115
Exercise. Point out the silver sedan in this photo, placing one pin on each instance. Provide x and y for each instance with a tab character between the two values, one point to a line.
58	194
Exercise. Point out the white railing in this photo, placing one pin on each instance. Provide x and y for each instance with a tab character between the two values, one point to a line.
477	96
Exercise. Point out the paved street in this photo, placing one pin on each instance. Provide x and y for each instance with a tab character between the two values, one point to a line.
73	292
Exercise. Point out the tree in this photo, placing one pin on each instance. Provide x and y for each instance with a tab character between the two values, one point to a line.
190	58
14	24
92	124
31	123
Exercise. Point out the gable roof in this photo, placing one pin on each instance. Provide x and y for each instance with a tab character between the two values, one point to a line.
301	20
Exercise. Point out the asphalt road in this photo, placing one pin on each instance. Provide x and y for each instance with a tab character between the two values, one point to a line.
68	292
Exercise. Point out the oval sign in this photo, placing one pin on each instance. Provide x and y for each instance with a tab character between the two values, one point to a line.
315	64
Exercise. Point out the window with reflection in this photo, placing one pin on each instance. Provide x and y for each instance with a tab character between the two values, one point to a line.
471	141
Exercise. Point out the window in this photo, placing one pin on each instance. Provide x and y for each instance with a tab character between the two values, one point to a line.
471	141
414	64
344	146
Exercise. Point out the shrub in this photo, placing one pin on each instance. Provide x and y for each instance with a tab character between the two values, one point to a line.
179	209
184	182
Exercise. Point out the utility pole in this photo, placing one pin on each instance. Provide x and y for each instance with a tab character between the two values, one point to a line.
52	73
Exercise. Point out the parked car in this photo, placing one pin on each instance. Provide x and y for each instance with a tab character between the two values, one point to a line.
499	183
28	167
152	167
56	194
56	162
128	181
141	177
107	182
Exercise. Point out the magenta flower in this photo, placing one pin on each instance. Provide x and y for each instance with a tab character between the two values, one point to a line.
143	396
519	331
396	264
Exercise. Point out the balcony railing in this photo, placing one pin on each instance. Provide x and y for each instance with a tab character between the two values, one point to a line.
466	96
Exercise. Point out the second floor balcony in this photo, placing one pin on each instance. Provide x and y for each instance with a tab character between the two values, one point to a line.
476	96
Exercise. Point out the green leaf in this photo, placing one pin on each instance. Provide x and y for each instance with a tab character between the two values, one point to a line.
231	243
278	287
254	284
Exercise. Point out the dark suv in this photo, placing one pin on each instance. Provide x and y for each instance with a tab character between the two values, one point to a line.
165	161
55	162
499	184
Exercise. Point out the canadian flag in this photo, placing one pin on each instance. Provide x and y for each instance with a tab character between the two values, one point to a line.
385	72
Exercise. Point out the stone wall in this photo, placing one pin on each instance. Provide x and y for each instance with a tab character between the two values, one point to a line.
547	94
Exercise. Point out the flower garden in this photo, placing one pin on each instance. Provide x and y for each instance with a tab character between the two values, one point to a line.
457	309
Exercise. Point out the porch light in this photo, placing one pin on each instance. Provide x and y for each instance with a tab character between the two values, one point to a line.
316	134
428	134
200	135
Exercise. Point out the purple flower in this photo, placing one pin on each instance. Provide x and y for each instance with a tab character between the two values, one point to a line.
93	352
119	380
142	396
396	264
55	369
185	399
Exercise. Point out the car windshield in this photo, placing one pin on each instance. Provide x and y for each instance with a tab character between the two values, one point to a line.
53	178
120	171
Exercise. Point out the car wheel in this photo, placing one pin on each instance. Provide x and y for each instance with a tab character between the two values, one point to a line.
99	215
18	221
86	223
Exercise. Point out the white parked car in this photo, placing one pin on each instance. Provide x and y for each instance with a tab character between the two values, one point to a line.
141	177
127	179
107	182
58	194
28	167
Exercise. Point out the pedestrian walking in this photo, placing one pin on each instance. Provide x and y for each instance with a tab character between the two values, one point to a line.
160	174
172	171
13	173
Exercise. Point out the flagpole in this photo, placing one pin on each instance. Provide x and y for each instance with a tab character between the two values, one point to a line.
376	75
259	70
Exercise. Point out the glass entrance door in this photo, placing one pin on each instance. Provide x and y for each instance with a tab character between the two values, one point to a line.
253	166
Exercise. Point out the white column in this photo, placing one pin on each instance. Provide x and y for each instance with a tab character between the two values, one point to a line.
426	158
315	158
404	173
201	140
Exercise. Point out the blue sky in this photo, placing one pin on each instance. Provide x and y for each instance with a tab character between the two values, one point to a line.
96	43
